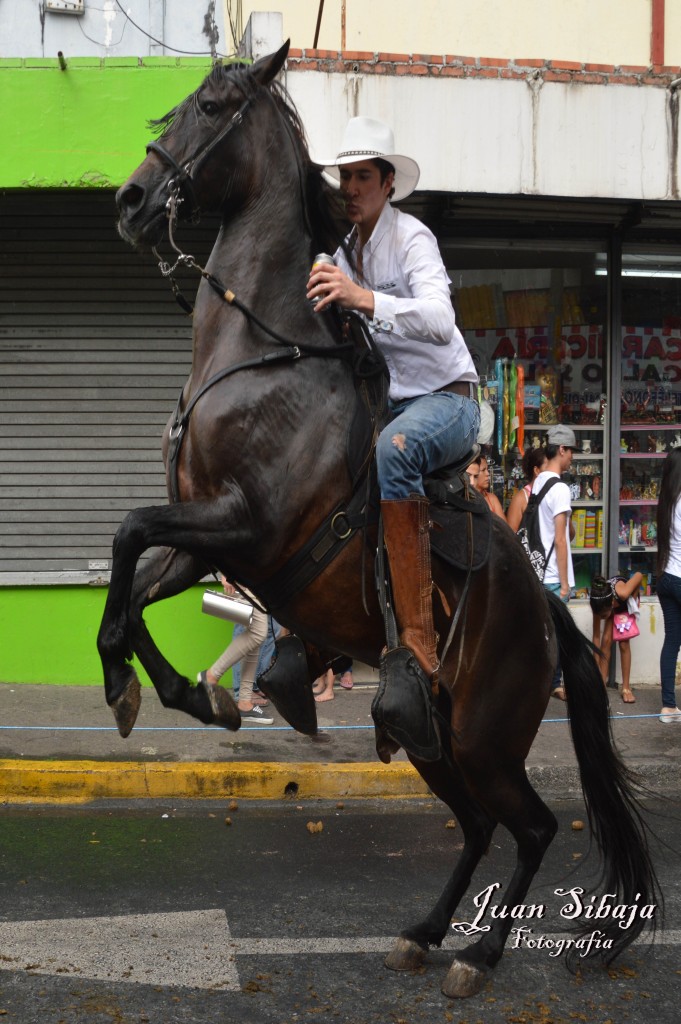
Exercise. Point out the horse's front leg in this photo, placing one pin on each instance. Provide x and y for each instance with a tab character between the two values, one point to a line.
202	527
166	574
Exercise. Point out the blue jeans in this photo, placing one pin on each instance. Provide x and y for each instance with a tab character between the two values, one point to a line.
425	434
669	593
554	588
264	657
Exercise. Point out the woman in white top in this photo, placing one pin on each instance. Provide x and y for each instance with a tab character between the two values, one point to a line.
669	580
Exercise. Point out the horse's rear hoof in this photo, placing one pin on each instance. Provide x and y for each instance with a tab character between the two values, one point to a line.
225	711
406	955
463	980
126	707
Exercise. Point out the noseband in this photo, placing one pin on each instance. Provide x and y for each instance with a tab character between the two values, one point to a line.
181	185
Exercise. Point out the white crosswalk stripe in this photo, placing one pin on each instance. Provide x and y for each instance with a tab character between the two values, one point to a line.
182	949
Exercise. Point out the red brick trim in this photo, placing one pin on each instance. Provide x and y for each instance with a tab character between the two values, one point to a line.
457	66
657	33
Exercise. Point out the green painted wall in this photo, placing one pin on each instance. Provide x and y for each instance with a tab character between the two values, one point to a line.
86	126
49	634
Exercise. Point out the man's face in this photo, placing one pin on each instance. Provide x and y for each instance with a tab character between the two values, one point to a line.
473	471
566	457
364	193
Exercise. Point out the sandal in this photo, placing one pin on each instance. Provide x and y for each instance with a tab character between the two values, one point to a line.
628	697
559	692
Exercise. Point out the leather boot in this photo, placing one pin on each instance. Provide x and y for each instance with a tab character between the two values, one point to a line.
407	540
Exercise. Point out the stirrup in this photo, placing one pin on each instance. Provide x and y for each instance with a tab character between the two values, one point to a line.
287	684
403	706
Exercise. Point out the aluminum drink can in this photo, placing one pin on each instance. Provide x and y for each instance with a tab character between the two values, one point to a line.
325	259
224	606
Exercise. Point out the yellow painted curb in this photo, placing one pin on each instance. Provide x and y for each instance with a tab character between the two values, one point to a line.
83	781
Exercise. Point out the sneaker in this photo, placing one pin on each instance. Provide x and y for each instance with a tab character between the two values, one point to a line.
670	715
256	714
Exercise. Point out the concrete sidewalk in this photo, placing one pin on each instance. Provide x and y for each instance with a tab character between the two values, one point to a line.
60	744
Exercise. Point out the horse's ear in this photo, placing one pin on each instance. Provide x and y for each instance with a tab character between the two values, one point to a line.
267	68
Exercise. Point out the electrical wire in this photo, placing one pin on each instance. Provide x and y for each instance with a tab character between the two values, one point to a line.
97	41
235	22
190	53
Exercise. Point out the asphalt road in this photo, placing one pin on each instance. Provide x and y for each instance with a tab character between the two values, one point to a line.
170	914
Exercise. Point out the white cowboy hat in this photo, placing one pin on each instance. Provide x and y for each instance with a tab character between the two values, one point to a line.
366	139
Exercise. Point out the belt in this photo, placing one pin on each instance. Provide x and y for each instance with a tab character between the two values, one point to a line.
461	387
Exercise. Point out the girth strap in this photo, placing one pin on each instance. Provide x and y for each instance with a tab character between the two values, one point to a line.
320	550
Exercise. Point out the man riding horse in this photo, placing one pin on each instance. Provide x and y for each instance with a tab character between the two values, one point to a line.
390	270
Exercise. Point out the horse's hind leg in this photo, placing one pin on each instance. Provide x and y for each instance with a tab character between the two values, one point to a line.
446	781
533	826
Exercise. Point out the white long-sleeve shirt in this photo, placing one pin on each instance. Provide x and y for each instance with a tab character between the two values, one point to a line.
413	323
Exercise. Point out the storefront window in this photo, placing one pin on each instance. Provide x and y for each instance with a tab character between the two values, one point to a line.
533	316
650	408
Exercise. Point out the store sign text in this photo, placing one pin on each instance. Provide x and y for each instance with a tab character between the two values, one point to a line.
643	354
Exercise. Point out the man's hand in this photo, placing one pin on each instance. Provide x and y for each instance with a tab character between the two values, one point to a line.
330	285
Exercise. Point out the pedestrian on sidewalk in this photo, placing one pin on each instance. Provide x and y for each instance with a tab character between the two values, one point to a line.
669	580
482	482
534	463
323	685
265	657
606	598
555	511
244	647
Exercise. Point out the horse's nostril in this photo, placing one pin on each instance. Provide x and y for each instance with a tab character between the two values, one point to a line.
129	197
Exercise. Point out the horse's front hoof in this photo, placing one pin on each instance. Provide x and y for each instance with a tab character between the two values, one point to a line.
126	707
463	980
225	711
406	955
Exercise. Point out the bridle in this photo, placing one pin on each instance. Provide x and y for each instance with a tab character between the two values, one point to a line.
181	190
183	181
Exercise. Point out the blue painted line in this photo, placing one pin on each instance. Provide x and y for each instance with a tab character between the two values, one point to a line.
168	728
244	728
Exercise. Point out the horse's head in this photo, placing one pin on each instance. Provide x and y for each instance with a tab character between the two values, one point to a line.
205	156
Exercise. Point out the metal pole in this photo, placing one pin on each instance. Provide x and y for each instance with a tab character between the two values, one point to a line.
319	24
612	429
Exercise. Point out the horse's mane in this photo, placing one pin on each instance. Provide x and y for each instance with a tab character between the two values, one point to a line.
323	211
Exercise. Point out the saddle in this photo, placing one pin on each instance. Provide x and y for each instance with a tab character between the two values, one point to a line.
460	535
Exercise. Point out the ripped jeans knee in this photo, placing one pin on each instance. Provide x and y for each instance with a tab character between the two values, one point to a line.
425	434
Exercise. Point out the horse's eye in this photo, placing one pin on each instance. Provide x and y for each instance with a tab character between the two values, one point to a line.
209	108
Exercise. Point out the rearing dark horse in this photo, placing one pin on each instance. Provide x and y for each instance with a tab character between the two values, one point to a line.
263	462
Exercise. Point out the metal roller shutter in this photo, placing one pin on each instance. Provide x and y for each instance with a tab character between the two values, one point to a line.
93	353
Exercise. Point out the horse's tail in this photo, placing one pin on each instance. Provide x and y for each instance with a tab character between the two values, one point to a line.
610	794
